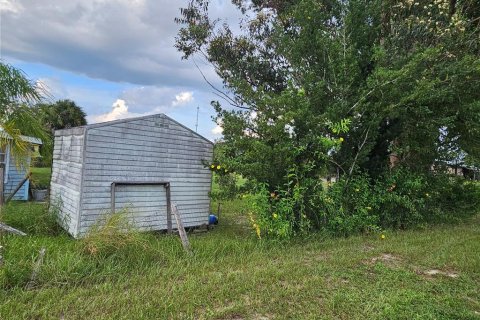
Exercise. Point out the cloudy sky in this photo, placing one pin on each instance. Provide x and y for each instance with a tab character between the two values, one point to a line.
114	58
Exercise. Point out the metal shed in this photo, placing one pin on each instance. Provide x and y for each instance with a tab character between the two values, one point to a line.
140	164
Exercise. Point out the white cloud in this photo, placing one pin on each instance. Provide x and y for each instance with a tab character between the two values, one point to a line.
217	130
10	6
119	111
142	101
129	41
146	98
183	98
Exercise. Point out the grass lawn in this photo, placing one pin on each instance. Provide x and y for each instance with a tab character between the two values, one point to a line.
418	274
41	176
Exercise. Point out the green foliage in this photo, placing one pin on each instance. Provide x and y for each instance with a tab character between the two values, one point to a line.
271	215
54	116
400	199
60	115
111	234
227	187
351	88
17	95
31	218
346	208
16	88
41	177
109	250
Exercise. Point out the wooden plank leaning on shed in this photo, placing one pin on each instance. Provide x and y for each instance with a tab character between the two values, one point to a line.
181	229
7	228
18	187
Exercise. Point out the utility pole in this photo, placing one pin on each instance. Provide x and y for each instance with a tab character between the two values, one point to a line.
196	123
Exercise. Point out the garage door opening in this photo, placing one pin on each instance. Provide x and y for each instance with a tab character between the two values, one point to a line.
148	203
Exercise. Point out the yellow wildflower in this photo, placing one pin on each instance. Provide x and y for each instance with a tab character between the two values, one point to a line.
357	190
218	167
212	166
257	231
275	216
341	139
382	237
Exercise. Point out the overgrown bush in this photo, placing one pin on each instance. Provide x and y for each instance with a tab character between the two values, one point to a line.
111	234
271	215
112	249
347	207
399	199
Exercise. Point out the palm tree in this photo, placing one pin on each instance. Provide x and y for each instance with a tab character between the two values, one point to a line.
60	115
17	95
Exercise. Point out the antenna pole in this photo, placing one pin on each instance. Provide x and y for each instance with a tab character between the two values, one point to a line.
196	123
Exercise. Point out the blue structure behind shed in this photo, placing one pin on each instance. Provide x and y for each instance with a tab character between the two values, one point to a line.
13	176
14	173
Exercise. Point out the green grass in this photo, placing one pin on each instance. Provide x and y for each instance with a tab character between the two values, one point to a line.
41	176
232	275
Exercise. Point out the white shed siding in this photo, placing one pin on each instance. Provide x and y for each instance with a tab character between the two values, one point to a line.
149	149
67	175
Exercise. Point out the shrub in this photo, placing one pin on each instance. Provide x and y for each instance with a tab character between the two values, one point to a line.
347	207
111	234
271	215
399	199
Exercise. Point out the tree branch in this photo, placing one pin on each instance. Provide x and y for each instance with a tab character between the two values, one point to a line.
220	93
358	152
369	93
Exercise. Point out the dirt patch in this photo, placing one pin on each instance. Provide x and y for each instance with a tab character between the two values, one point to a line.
387	259
393	261
233	316
367	248
437	272
314	259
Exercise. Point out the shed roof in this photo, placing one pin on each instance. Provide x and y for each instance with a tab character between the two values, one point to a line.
31	140
157	115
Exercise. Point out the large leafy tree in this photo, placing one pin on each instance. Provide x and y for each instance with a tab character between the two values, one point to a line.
405	73
403	76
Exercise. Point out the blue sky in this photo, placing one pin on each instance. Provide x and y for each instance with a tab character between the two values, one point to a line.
114	58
